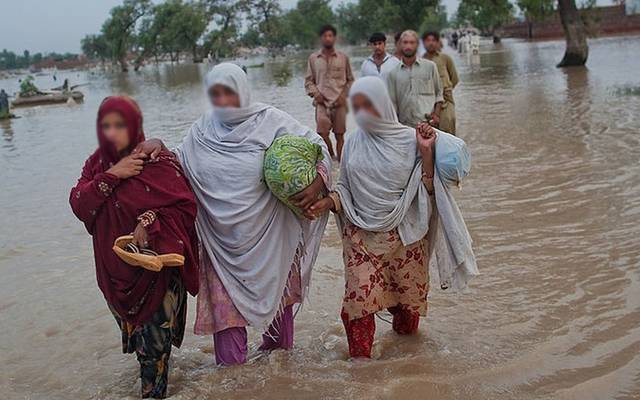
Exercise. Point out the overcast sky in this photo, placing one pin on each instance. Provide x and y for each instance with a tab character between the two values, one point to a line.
58	25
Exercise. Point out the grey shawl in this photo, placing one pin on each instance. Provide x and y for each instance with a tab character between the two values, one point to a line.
380	182
381	189
249	235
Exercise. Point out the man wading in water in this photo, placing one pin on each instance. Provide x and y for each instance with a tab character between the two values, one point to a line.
328	80
380	62
414	86
448	76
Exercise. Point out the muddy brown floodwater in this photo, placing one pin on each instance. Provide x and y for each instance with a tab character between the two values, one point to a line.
553	204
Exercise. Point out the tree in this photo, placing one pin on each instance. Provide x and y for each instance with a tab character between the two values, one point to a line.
251	38
118	30
265	16
486	15
409	14
225	15
170	28
191	23
354	26
536	11
435	19
10	60
359	19
307	18
36	58
147	42
577	50
94	47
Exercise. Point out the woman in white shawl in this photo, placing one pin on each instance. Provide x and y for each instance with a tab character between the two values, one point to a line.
257	255
383	203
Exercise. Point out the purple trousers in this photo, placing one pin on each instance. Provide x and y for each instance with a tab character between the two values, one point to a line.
230	345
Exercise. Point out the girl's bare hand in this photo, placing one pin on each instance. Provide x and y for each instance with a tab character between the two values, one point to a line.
151	148
140	236
425	136
307	196
128	166
318	208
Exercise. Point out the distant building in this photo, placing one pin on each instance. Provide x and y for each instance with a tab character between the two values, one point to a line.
609	20
632	7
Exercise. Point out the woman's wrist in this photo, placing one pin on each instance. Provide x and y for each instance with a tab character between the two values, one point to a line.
106	182
427	175
113	172
426	151
147	218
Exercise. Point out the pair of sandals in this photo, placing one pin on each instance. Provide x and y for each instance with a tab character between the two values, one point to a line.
145	258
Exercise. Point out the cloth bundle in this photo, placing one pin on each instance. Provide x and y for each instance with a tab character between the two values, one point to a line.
453	160
290	166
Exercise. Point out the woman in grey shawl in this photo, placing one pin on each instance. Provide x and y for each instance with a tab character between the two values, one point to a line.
383	203
257	254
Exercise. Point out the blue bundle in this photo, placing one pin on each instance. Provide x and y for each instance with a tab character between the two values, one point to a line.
453	161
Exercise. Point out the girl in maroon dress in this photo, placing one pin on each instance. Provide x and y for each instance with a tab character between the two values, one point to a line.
119	193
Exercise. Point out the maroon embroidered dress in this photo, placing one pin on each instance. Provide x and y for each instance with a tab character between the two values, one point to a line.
150	307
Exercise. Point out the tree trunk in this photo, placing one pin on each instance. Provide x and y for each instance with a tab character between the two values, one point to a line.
530	29
577	49
194	51
124	66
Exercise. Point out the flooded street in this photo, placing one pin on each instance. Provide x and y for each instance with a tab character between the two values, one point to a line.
553	205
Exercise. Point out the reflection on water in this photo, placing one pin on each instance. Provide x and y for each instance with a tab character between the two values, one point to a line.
553	205
281	73
7	132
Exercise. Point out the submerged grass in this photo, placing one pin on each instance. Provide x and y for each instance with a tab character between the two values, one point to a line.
627	91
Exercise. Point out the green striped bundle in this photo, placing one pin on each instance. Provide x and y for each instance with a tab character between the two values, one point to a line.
290	166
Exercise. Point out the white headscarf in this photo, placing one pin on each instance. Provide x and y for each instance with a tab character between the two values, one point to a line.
380	183
381	189
233	77
249	235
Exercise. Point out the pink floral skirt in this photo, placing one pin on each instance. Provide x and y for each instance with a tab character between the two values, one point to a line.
380	272
215	309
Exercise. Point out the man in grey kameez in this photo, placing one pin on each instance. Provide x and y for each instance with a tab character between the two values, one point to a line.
414	86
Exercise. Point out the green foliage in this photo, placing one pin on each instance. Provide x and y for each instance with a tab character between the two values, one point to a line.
95	47
145	29
359	20
178	26
266	17
353	26
251	38
28	88
219	41
306	19
9	59
119	29
486	15
536	10
436	20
